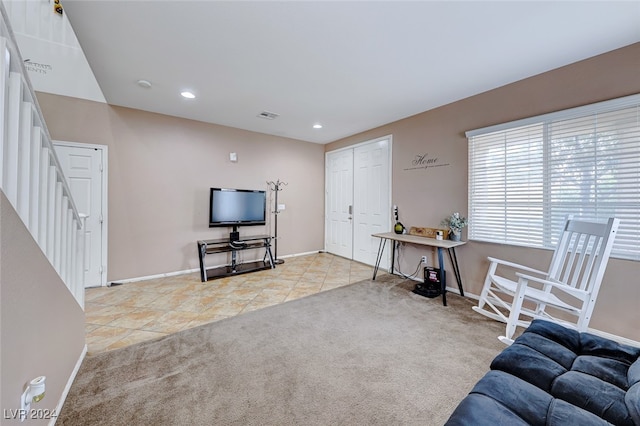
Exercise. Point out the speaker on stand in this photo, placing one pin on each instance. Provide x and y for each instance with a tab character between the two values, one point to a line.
276	187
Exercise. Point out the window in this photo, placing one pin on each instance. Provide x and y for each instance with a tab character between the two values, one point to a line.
526	176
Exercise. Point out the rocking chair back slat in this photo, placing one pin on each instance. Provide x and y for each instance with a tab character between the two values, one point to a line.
593	256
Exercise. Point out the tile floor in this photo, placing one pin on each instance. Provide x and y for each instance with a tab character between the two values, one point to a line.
122	315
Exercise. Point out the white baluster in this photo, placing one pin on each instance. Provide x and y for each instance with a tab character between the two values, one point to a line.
73	249
35	184
44	196
10	180
70	228
80	257
51	212
4	77
57	227
24	162
64	224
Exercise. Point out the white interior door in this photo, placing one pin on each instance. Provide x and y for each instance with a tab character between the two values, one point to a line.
371	200
358	201
339	203
84	167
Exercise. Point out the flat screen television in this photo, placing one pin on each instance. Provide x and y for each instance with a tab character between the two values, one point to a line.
237	207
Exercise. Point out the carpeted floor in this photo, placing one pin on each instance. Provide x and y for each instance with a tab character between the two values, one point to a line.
370	353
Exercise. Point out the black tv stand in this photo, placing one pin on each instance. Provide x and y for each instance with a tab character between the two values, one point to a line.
206	247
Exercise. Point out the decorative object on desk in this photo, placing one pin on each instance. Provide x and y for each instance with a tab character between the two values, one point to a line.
276	187
455	223
428	232
398	227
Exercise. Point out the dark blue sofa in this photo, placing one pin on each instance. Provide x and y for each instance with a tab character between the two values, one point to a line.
552	375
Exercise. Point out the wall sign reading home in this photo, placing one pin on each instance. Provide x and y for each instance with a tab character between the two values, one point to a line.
424	161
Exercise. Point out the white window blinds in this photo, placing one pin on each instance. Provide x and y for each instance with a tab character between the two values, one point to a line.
526	176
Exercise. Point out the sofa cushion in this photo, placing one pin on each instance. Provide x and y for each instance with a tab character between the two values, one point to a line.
632	399
481	410
549	348
605	348
562	414
504	399
566	337
527	401
608	370
594	395
529	365
633	376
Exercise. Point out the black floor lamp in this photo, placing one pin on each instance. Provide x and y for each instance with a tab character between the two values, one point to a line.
276	187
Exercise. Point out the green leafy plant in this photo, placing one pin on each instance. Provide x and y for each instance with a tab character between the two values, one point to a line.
455	222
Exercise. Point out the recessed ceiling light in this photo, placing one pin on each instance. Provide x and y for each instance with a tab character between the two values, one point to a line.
144	83
317	126
188	95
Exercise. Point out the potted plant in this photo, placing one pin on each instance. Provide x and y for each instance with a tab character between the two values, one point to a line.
455	223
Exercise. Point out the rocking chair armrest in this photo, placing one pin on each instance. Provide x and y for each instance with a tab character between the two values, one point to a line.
515	265
566	288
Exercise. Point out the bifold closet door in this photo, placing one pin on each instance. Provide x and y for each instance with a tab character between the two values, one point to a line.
358	201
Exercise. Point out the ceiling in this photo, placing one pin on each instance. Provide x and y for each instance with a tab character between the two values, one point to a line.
350	66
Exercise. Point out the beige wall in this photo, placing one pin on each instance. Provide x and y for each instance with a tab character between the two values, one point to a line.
160	172
426	195
41	324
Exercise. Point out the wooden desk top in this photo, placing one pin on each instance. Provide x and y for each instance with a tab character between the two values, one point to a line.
415	239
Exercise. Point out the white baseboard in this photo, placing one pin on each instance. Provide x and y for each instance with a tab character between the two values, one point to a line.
299	254
67	387
151	277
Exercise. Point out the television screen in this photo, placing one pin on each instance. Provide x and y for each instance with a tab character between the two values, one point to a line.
231	207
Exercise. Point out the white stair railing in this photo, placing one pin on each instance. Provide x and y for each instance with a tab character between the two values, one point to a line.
30	173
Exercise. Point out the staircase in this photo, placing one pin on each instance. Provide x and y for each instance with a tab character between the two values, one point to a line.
30	173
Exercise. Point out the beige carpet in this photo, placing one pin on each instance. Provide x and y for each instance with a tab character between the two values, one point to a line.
371	353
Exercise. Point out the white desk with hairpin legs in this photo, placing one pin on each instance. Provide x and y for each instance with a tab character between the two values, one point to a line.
449	245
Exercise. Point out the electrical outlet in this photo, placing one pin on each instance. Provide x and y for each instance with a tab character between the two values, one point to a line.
424	260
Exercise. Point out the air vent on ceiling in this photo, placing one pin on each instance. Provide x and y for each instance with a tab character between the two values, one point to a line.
268	115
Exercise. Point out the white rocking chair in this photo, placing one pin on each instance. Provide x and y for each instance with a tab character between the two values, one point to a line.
570	286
